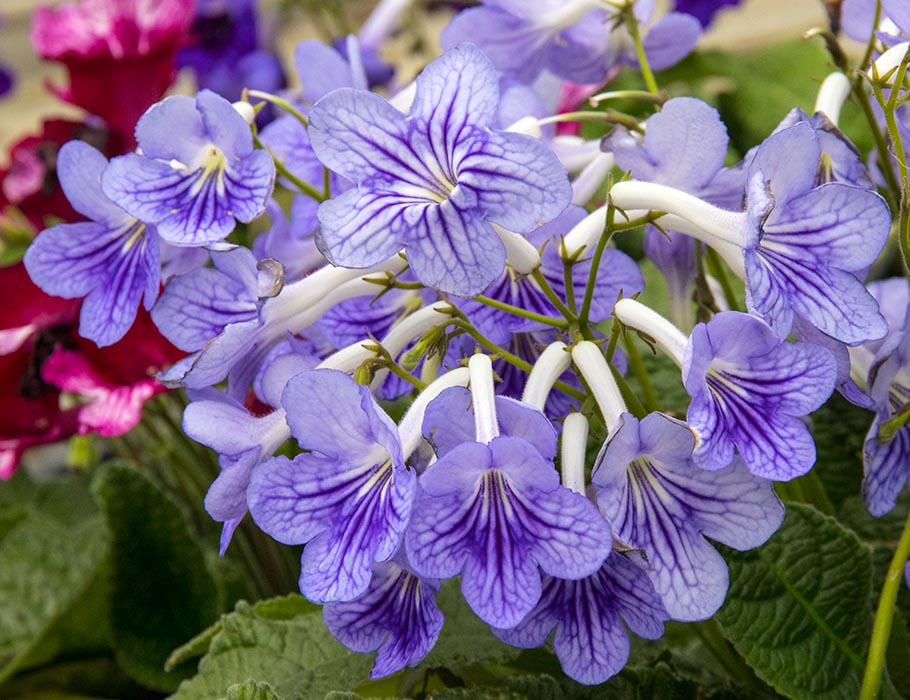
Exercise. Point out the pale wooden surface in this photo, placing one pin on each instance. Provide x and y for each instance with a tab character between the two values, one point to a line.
756	23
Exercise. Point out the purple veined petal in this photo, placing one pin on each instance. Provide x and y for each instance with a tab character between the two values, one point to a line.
788	160
518	181
185	205
885	468
591	642
79	168
693	132
362	137
110	308
360	317
155	130
360	229
337	564
453	250
832	300
496	525
397	616
249	185
671	39
456	94
449	422
226	498
659	501
348	419
197	306
287	138
751	390
224	125
514	45
843	225
321	69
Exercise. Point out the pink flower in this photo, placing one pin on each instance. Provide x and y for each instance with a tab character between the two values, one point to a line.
571	97
115	381
119	53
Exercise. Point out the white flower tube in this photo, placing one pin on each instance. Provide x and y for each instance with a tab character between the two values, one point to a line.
549	366
831	96
667	336
574	448
483	398
594	368
410	428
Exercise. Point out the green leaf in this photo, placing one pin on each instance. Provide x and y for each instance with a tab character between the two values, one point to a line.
161	590
799	607
298	657
464	639
251	690
840	429
44	569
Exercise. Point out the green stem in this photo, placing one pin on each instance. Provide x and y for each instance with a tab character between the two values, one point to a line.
305	187
632	23
611	116
522	313
595	266
884	615
284	104
512	359
637	365
718	270
552	296
815	493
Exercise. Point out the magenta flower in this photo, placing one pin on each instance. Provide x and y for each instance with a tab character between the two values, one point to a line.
103	43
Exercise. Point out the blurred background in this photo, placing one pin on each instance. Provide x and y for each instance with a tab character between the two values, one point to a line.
753	24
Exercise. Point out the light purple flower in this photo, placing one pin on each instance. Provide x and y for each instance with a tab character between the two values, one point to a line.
113	258
576	40
242	441
750	390
886	457
396	615
348	497
197	306
684	146
658	500
197	173
799	247
591	642
494	513
433	181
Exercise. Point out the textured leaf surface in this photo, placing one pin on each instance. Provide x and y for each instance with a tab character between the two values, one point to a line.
44	569
464	639
251	690
161	590
799	607
297	657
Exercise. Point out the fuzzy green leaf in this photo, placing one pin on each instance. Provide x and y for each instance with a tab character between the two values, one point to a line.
799	607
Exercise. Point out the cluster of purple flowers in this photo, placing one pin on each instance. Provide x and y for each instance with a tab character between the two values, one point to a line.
445	227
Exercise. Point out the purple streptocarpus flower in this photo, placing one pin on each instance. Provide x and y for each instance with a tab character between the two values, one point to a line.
113	258
198	305
798	247
576	40
684	146
658	500
591	642
886	451
750	390
492	509
396	615
242	441
198	171
348	498
433	181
